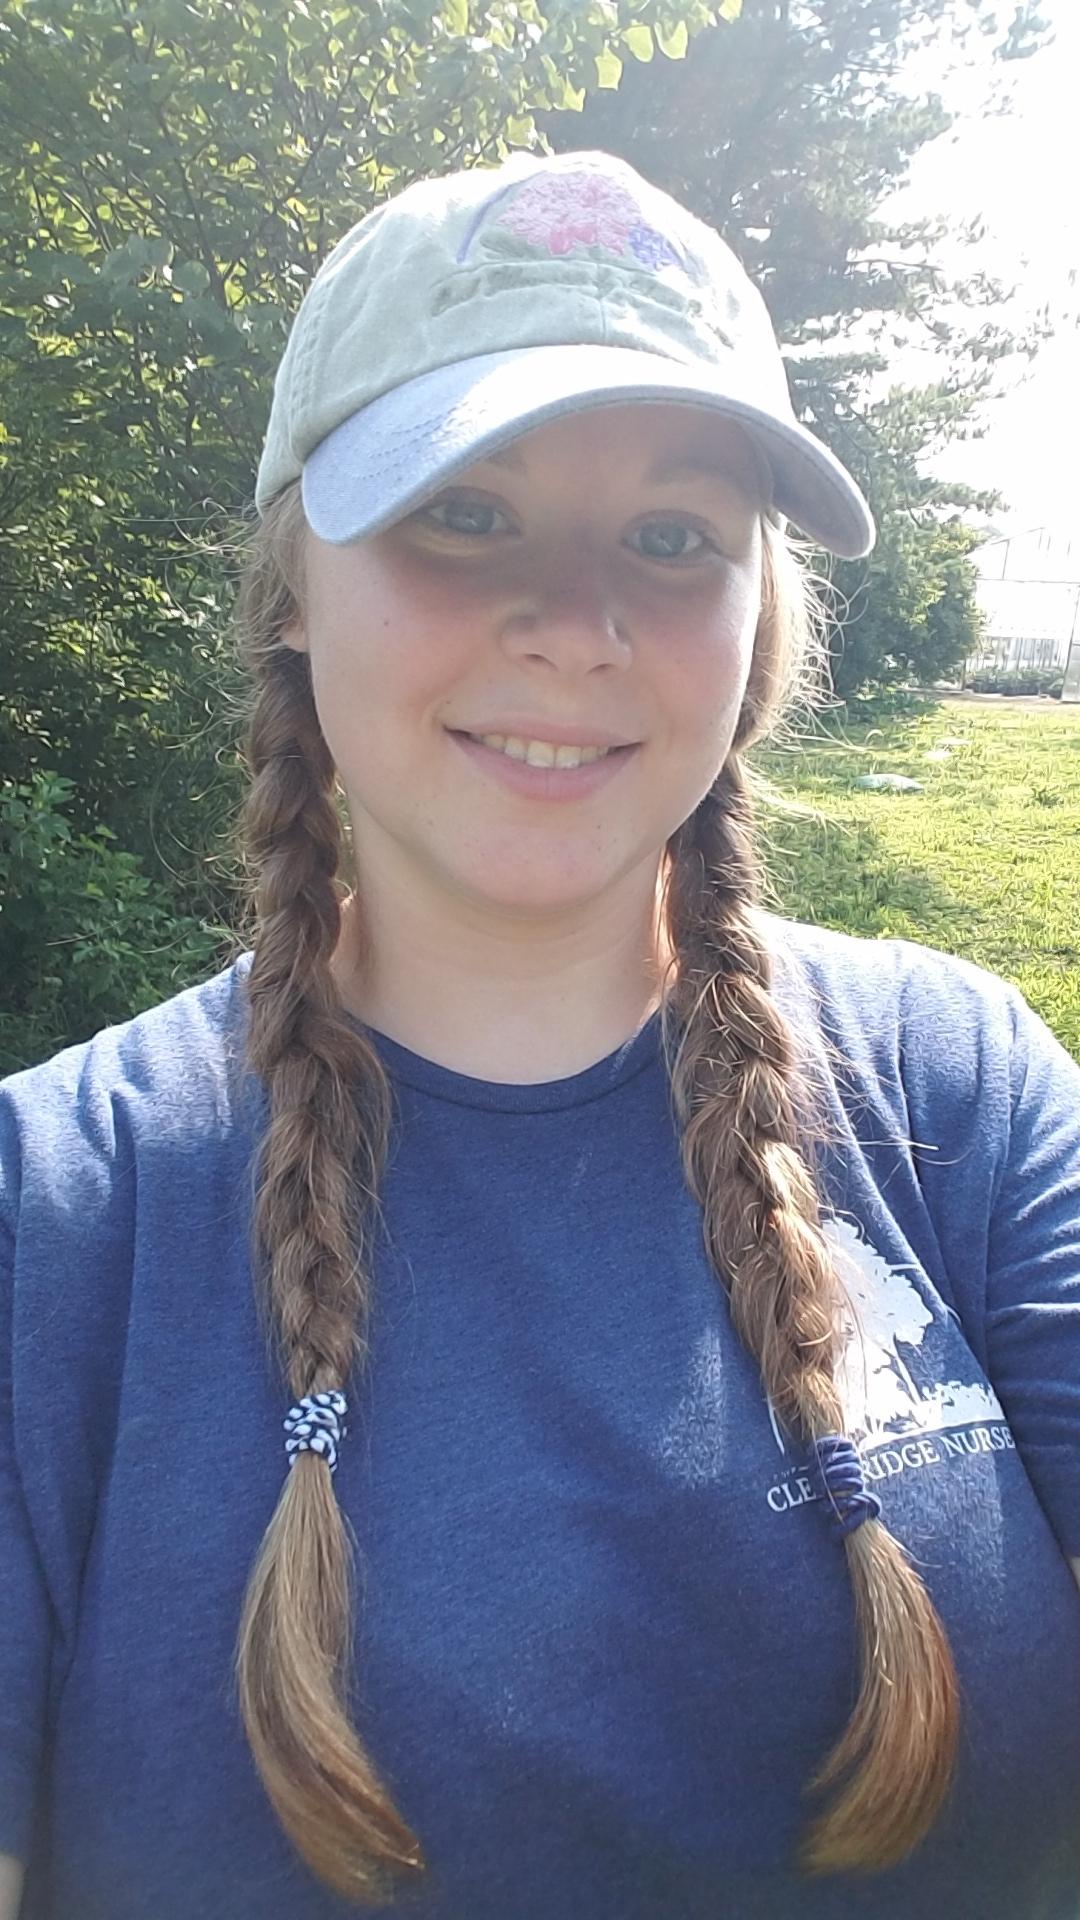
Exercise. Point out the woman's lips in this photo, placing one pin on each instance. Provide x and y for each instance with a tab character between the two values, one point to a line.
545	783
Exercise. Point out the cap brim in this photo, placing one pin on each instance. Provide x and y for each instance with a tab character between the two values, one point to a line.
391	456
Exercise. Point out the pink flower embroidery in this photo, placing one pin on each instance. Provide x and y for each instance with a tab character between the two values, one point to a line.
583	209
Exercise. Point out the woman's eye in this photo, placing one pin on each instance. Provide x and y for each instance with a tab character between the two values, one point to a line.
469	517
457	513
671	540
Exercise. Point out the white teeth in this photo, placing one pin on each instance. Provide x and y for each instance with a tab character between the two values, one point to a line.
541	753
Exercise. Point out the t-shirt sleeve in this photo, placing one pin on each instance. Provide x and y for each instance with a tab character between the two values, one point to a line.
138	1128
25	1614
967	1113
1033	1269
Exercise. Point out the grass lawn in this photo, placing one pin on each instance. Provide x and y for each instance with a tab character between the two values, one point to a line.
985	862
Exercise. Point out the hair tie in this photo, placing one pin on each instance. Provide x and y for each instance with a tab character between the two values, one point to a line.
840	1477
315	1425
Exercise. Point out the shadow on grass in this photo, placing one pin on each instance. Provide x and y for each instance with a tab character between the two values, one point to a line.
841	874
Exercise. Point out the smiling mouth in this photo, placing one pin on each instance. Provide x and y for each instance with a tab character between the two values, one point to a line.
542	753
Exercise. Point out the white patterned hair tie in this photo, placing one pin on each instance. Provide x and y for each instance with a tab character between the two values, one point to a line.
316	1425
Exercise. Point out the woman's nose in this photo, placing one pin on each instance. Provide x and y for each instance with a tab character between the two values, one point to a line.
569	614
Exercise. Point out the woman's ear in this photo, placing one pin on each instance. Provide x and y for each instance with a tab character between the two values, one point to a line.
294	634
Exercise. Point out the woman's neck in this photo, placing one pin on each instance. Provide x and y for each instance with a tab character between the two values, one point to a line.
504	1000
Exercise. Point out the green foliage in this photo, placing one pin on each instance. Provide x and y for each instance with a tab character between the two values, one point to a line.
787	132
170	175
981	863
1017	680
87	938
907	613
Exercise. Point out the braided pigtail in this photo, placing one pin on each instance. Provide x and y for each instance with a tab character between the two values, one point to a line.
738	1096
739	1100
315	1193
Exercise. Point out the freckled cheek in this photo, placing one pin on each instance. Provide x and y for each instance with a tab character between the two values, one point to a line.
378	672
705	669
345	677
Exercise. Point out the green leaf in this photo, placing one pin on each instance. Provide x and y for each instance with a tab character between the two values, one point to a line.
639	40
456	16
568	98
675	41
158	250
124	262
191	277
72	267
608	69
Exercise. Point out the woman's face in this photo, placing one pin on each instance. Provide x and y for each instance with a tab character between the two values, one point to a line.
595	586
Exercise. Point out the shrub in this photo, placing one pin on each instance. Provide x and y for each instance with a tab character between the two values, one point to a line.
86	942
1023	680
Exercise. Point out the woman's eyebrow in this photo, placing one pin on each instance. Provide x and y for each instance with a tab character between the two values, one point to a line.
508	457
682	467
691	467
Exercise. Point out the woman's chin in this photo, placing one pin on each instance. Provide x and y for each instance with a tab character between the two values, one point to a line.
528	889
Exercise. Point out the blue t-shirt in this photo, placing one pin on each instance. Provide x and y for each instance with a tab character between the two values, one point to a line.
604	1634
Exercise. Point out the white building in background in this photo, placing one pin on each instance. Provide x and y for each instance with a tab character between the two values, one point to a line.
1029	592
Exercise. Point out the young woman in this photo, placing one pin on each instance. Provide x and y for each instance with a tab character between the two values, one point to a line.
674	1311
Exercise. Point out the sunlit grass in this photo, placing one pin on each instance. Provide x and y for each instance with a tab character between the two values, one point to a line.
985	862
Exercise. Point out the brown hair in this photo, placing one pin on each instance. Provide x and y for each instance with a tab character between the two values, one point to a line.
741	1101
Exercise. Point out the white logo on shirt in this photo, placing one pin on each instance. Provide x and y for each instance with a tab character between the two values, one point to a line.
888	1413
880	1394
899	1416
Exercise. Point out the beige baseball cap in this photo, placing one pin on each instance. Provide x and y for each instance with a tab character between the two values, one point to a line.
476	306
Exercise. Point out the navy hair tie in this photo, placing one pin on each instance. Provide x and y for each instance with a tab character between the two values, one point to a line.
840	1478
315	1425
